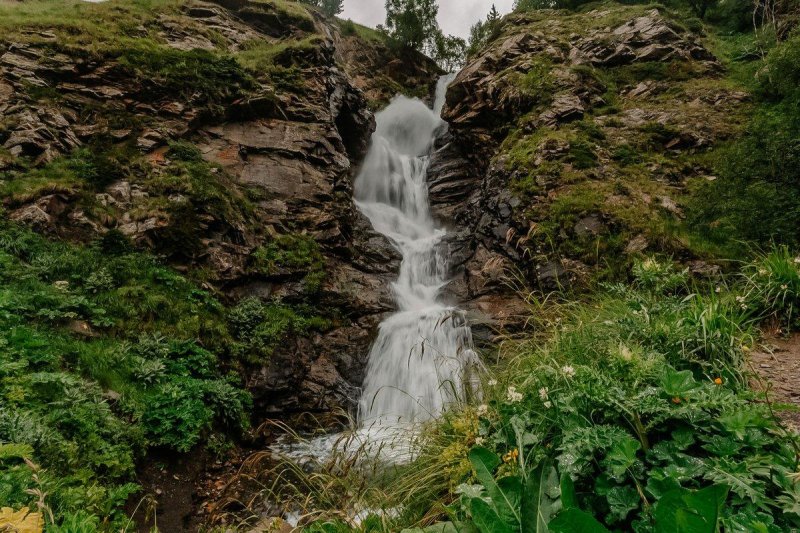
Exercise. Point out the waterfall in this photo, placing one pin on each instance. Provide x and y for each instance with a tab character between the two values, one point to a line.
421	359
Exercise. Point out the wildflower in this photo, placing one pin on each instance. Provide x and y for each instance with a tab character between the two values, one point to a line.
61	285
492	382
718	290
483	410
568	371
797	260
676	400
762	272
543	393
479	441
511	456
548	405
718	381
784	287
744	307
513	396
740	299
625	352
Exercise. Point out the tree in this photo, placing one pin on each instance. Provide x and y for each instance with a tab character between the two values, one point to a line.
412	23
493	17
329	8
449	51
482	32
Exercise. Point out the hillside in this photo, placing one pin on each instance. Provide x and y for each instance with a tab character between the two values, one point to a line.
199	267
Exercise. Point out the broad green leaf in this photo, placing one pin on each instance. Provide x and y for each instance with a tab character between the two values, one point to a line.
538	504
487	520
576	521
690	511
568	498
739	422
678	384
622	500
504	499
622	455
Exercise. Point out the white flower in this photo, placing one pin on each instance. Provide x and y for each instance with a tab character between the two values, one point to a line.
784	287
513	396
797	260
479	441
743	306
718	290
762	272
543	392
568	371
492	382
548	405
483	410
740	299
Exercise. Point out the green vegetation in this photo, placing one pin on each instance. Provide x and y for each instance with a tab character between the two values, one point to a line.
329	8
103	354
630	412
756	191
293	254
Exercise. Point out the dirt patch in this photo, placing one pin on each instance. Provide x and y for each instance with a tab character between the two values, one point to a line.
176	489
778	366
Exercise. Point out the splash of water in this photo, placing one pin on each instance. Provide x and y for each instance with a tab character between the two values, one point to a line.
422	357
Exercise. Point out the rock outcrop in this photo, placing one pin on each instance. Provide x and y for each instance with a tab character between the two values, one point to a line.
572	137
241	124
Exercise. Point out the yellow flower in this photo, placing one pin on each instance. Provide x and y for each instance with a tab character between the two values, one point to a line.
22	521
511	456
718	381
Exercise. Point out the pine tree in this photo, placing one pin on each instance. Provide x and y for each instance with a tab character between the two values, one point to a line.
493	17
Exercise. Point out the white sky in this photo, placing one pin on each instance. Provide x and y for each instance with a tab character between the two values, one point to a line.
455	16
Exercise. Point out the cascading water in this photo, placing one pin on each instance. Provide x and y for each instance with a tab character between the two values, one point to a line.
423	355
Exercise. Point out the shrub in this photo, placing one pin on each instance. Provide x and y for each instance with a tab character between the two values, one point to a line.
772	284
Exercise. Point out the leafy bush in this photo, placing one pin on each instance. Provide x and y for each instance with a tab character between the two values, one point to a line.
87	386
772	284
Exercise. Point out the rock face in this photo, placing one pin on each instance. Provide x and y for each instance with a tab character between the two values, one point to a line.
273	151
240	127
572	137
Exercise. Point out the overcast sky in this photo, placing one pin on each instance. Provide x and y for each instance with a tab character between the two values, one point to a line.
455	16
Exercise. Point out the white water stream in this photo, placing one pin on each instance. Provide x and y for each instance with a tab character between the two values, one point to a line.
422	357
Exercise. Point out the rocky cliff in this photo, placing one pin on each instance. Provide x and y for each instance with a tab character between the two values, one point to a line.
573	139
224	137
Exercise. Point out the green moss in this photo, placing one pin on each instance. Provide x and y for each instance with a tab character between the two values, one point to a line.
581	154
625	154
260	328
90	168
350	28
538	81
293	253
196	74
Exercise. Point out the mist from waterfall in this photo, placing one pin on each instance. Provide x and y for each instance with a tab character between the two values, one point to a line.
422	357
